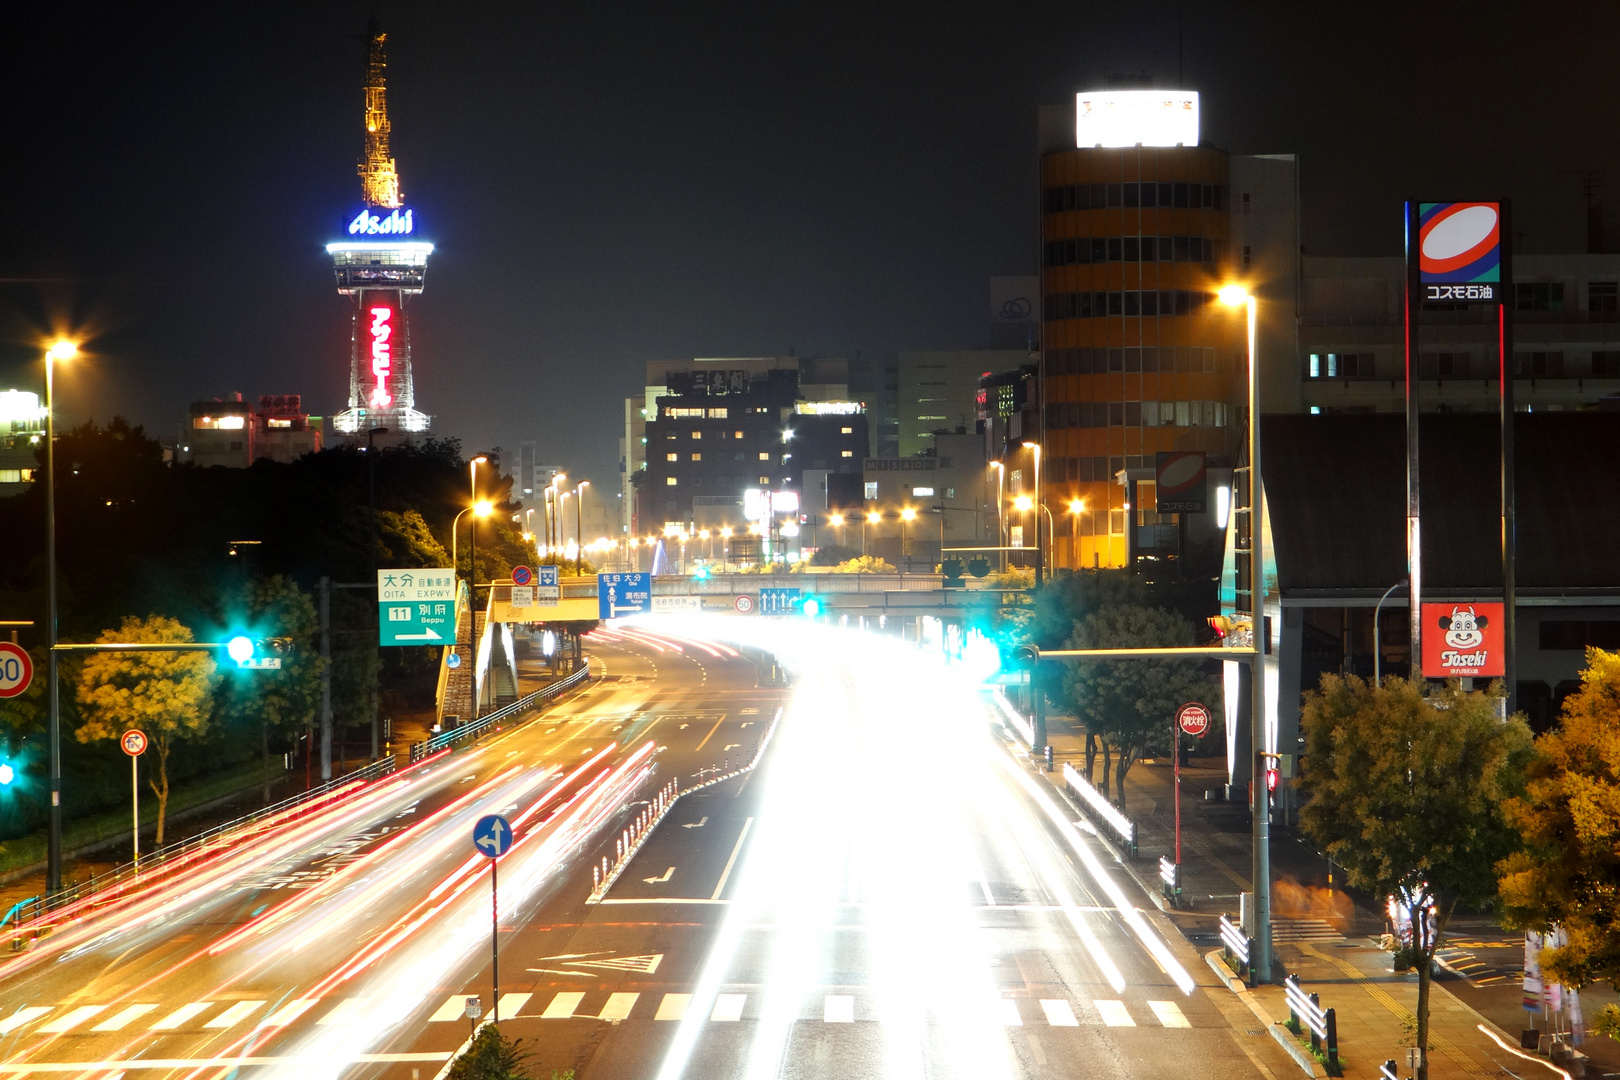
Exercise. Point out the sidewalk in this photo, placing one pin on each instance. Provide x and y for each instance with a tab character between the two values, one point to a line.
1320	934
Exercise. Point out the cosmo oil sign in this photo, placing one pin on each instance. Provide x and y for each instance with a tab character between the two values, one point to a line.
1460	252
1463	640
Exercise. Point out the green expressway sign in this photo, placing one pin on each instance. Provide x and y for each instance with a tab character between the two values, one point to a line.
416	607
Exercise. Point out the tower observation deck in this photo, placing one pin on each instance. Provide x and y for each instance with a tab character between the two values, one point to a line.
379	265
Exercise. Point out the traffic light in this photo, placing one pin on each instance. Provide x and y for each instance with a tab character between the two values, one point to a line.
979	567
263	654
1025	655
811	606
952	569
1220	624
7	774
701	574
1271	779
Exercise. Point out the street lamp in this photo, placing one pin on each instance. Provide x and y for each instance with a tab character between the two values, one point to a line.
60	350
554	512
1040	550
1238	296
837	522
480	509
472	530
1076	507
579	528
1001	523
872	518
907	516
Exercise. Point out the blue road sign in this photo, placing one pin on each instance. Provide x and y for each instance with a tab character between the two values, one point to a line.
618	595
546	576
492	836
778	601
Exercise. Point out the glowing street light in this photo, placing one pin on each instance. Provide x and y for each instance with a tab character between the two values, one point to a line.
1024	503
59	350
1040	548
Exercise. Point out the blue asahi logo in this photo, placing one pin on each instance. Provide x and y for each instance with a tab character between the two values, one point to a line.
396	223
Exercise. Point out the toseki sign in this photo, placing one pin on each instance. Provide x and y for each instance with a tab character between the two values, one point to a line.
1463	640
379	328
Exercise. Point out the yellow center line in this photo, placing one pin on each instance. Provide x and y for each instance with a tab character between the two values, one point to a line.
712	730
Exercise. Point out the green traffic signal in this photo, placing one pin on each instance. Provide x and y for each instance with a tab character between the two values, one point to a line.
7	773
239	648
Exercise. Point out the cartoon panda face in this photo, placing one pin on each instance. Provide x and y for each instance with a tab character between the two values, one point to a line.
1463	628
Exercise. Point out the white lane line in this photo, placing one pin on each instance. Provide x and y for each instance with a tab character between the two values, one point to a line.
23	1016
1058	1012
618	1006
181	1015
1114	1013
123	1017
70	1020
511	1004
728	1006
289	1012
234	1015
563	1005
341	1013
673	1007
838	1009
1169	1014
735	851
218	1062
1009	1013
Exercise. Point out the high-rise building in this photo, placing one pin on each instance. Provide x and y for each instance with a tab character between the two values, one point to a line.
379	266
1141	223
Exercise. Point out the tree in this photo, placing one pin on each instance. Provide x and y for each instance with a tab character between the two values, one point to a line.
492	1056
284	700
168	695
1407	794
1128	703
1569	816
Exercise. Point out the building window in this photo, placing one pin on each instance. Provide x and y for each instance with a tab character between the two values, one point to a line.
1603	296
1091	305
1444	365
738	435
851	453
672	412
15	476
720	414
764	480
1545	364
1539	296
697	434
871	489
765	456
928	492
677	457
699	457
1339	366
851	431
1606	363
669	481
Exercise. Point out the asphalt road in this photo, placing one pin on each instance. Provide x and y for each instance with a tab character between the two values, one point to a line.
890	894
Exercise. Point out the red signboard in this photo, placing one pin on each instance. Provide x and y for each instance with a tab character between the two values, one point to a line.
379	323
1464	640
1193	718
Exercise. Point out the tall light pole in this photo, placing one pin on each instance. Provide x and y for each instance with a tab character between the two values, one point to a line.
907	516
872	518
1001	522
579	528
60	350
837	522
1040	551
1235	296
472	531
562	541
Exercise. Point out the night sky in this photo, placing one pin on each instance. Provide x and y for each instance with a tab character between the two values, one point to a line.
611	184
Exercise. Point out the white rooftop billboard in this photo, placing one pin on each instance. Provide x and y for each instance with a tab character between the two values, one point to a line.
1136	118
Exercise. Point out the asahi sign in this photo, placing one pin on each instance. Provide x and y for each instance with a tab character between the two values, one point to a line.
1463	640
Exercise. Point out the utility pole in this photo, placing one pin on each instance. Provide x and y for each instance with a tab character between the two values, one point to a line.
326	678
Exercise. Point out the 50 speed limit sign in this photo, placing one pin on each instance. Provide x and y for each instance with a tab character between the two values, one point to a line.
16	669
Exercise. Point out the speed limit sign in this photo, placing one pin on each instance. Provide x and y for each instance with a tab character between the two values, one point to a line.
16	669
133	741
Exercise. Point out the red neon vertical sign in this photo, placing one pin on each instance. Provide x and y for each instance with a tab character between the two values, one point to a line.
380	348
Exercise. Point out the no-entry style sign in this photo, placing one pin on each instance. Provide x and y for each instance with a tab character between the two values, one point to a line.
522	575
16	669
1193	718
133	742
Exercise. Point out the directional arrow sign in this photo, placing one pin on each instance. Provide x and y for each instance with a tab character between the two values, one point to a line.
618	595
492	836
416	607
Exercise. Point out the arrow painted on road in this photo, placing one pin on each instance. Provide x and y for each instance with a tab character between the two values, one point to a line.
745	723
696	824
659	880
685	726
731	746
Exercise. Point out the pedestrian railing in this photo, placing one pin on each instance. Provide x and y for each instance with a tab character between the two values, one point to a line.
1307	1015
1101	811
477	729
1170	879
1238	945
182	852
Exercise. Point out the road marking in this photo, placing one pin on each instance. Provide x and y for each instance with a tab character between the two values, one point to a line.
734	745
23	1016
563	1005
289	1012
234	1015
716	728
454	1008
1009	1013
181	1015
838	1009
70	1020
341	1013
1058	1013
124	1016
618	1006
661	879
1169	1014
728	1007
702	821
511	1004
1114	1013
217	1062
726	873
673	1007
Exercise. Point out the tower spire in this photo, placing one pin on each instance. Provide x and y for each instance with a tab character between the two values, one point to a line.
379	180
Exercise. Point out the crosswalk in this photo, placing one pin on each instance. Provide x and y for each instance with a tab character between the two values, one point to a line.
209	1017
1319	930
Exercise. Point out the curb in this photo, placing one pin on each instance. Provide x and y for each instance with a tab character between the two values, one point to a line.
1154	893
1307	1064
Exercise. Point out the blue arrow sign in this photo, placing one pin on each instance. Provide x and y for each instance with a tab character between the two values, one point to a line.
622	594
778	601
492	836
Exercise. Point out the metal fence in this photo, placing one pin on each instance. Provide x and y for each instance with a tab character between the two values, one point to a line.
1170	879
1239	946
1100	810
477	729
1308	1015
181	851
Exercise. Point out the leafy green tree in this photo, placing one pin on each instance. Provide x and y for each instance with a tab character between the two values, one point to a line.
1130	703
168	695
281	701
407	541
1407	793
492	1056
1569	815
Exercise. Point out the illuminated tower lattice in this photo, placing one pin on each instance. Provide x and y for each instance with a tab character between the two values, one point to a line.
378	266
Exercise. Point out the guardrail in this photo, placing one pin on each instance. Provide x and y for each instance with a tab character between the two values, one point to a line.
1014	719
476	729
1170	879
1306	1013
1238	945
29	911
1101	810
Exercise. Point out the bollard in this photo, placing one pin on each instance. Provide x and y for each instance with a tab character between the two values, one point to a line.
1048	755
1332	1024
1388	1072
596	879
1316	1040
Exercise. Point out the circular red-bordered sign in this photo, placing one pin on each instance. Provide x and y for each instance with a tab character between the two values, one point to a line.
744	604
16	669
133	742
522	575
1193	718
